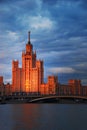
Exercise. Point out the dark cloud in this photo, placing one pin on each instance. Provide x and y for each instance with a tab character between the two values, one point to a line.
83	4
50	2
59	33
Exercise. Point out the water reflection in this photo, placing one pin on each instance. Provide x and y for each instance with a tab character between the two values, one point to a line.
32	117
43	117
26	116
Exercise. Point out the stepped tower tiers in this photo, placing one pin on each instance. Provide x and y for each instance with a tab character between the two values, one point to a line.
30	77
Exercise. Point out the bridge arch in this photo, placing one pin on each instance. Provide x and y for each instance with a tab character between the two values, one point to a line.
54	98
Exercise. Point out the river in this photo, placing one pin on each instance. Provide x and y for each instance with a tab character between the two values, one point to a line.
43	117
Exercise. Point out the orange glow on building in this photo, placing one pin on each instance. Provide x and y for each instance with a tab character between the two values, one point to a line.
52	84
30	77
75	86
1	80
51	87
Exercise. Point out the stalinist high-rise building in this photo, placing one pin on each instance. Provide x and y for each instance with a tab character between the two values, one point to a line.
30	77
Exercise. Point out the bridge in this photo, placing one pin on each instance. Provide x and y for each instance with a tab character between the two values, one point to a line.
59	99
44	99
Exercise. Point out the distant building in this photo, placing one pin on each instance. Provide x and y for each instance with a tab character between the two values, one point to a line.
64	90
84	90
1	80
5	89
44	90
75	86
8	89
1	85
51	87
52	84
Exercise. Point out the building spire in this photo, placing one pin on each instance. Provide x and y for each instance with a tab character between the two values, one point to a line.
29	37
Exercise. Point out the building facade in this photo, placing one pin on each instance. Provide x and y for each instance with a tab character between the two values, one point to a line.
75	86
30	77
51	87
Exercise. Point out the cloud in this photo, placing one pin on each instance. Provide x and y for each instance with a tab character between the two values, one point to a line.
9	35
8	80
4	68
10	43
84	64
40	22
58	34
37	23
84	81
61	70
49	53
12	35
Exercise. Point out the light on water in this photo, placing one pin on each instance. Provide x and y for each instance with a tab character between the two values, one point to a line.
43	117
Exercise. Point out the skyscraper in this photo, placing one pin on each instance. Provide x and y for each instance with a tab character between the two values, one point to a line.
30	76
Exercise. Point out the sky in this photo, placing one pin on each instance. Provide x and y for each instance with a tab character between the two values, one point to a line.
58	34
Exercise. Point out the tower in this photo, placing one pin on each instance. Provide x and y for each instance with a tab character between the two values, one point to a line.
31	68
30	77
27	65
16	77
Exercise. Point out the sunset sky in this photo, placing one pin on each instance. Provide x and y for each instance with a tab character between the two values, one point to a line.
58	34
